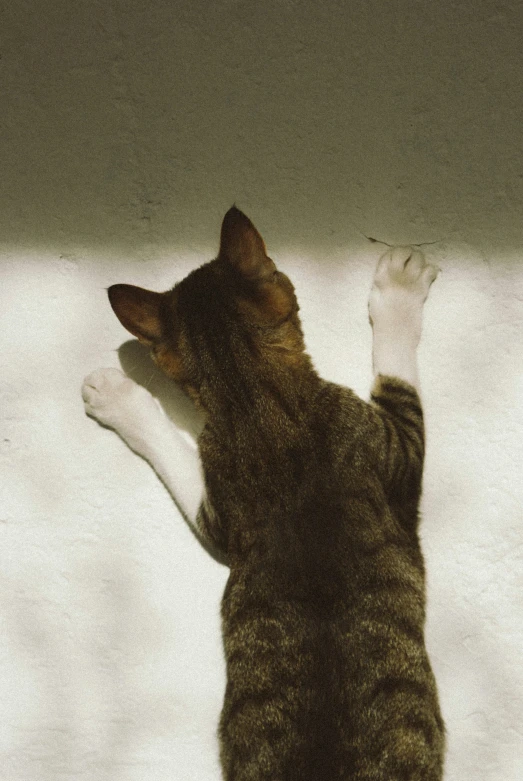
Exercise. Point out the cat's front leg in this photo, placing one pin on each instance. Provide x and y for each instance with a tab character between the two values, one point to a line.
401	285
129	409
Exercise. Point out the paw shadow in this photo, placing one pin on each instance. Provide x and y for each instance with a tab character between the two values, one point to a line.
138	365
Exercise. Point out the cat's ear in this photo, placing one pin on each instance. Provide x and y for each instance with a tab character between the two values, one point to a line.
138	310
243	248
268	297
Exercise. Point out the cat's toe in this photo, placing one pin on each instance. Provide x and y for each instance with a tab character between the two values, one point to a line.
391	265
414	265
100	390
103	378
400	258
425	278
430	273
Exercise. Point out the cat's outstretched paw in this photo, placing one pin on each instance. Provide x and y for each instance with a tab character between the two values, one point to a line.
401	285
120	403
405	267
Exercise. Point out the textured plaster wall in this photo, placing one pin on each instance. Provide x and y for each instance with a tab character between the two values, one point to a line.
126	131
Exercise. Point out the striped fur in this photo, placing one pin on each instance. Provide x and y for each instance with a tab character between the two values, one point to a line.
312	495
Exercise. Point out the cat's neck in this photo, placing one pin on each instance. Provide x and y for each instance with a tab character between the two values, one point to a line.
271	399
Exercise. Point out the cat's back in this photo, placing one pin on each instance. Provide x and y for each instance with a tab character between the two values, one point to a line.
323	621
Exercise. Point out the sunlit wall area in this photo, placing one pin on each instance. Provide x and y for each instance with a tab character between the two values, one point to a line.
126	132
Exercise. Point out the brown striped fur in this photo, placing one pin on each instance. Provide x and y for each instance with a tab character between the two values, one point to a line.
312	495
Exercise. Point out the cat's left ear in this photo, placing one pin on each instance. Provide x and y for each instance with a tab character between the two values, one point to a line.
138	310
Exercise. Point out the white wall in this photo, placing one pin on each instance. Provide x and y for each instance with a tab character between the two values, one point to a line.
127	130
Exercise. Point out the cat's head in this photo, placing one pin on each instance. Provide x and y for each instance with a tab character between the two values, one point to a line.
225	319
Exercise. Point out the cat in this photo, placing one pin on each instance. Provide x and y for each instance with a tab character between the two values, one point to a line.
310	495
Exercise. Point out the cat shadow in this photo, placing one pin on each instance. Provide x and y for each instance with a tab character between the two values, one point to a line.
137	364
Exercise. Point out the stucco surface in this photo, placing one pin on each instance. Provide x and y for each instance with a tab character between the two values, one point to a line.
126	131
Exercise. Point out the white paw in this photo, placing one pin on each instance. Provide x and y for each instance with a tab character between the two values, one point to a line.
401	285
118	402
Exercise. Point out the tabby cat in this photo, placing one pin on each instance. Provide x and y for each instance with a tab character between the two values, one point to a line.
311	497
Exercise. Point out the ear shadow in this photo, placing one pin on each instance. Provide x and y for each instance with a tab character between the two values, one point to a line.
138	365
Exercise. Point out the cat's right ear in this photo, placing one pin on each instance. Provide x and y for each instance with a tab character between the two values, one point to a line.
138	310
242	247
